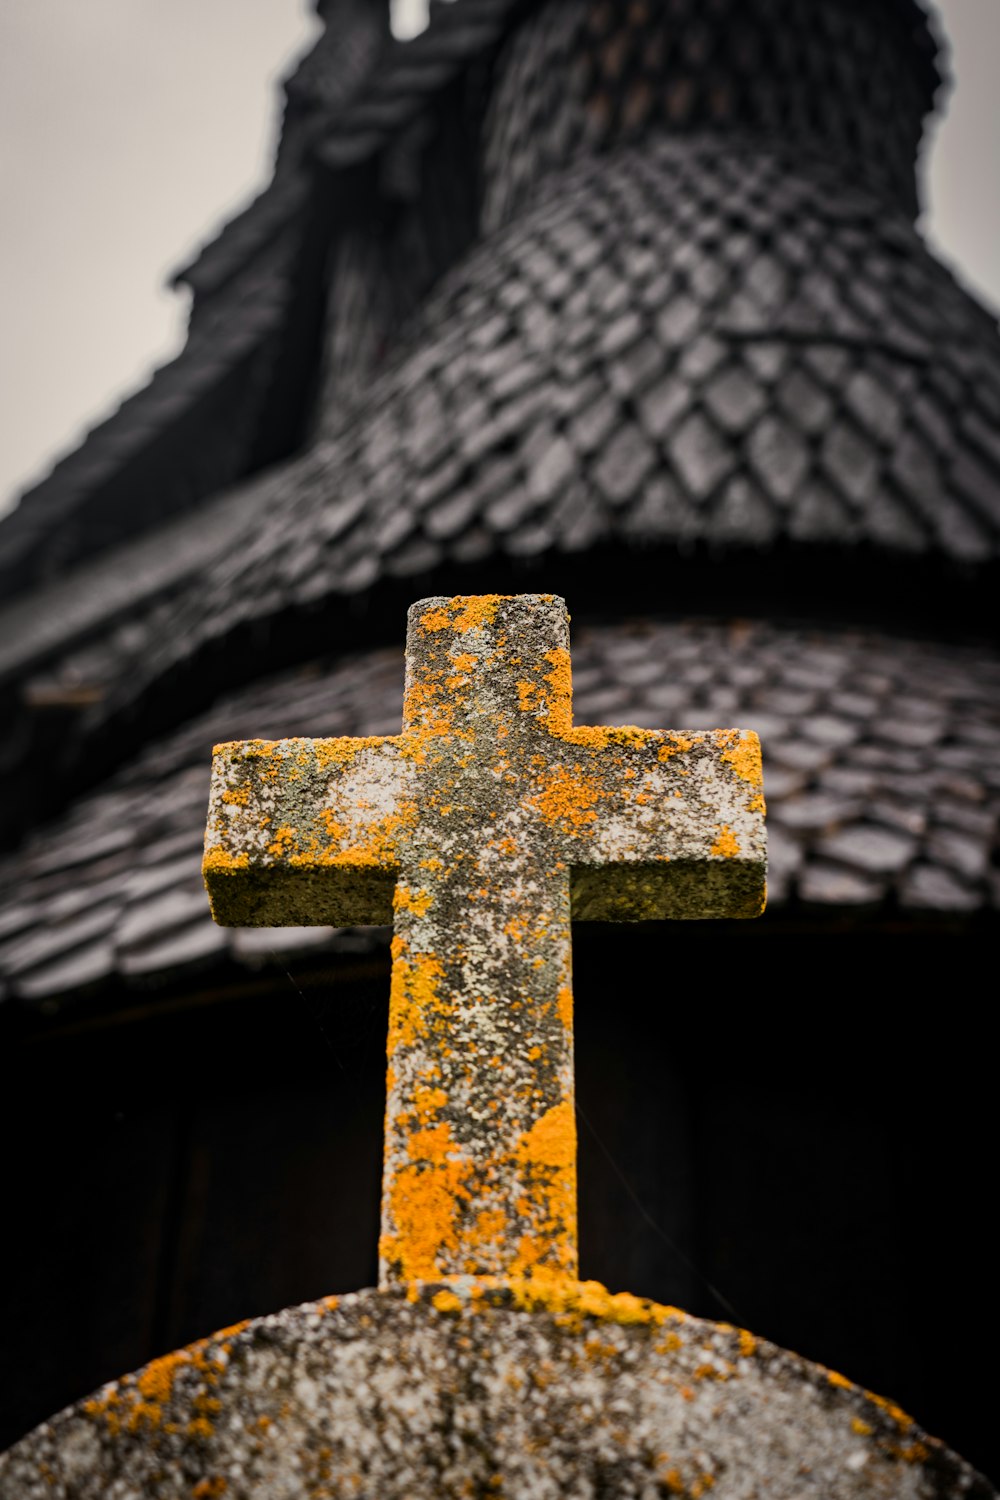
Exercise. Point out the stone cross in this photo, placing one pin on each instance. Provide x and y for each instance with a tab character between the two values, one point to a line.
479	832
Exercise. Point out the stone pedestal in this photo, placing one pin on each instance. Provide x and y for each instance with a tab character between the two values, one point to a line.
478	1389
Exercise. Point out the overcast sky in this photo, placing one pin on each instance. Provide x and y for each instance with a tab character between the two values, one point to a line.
130	128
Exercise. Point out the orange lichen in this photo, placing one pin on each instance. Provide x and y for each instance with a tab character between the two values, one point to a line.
677	744
527	696
895	1413
413	995
742	752
748	1344
863	1429
416	901
375	845
423	1202
757	804
546	1158
426	1102
210	1489
727	844
464	612
446	1301
567	799
282	843
334	752
559	711
138	1402
156	1381
554	1291
219	858
490	1225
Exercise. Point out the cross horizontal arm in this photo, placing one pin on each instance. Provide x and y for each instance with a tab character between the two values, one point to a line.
308	831
657	824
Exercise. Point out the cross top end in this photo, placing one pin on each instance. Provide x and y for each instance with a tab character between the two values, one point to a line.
479	831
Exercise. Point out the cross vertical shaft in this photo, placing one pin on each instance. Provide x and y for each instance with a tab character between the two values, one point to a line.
480	1146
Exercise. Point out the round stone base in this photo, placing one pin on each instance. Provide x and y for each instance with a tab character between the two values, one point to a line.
468	1389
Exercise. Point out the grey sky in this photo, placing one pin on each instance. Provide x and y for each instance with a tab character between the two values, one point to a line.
129	128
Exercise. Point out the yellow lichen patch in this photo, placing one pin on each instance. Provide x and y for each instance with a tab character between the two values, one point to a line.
464	612
551	1141
896	1413
556	1292
909	1453
608	736
428	711
416	901
219	858
413	995
375	846
446	1301
840	1381
567	799
742	752
757	804
436	619
863	1429
527	696
727	844
156	1381
475	610
222	1335
332	753
426	1102
678	744
237	796
283	843
490	1226
748	1343
137	1402
559	711
546	1158
423	1200
564	1007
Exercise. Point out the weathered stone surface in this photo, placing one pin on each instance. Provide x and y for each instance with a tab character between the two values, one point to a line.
479	829
468	1390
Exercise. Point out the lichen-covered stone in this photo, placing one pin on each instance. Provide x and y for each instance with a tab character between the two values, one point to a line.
481	829
535	1392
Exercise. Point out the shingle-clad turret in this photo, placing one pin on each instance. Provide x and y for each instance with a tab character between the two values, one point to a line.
843	79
